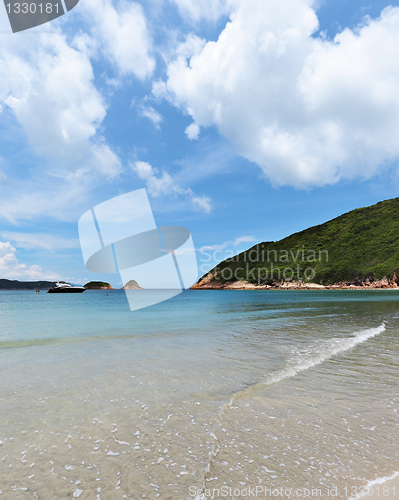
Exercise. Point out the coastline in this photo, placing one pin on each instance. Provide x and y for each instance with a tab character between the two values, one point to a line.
207	284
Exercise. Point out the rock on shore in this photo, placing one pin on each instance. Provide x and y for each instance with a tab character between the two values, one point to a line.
207	283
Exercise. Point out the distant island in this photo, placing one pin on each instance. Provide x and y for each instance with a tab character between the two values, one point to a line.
359	249
98	285
25	285
46	285
132	285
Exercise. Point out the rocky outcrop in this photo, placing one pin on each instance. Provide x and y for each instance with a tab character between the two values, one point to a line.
207	283
132	285
98	285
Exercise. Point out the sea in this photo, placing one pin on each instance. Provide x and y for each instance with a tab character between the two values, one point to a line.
211	394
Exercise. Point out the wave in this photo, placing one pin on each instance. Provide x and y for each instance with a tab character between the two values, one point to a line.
305	359
308	358
368	489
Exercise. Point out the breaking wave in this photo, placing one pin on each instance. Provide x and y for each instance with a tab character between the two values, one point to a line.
308	358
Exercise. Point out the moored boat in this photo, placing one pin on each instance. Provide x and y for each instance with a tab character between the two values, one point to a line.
66	288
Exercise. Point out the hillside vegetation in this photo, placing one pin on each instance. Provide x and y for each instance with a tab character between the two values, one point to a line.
98	285
360	245
25	285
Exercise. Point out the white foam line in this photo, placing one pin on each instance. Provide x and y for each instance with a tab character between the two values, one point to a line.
370	484
317	355
324	352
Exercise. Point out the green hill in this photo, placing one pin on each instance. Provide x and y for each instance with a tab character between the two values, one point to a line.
360	245
25	285
98	285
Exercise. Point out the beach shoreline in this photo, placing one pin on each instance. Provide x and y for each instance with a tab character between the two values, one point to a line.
204	284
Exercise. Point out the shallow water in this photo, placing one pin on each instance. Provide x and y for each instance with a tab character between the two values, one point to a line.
287	391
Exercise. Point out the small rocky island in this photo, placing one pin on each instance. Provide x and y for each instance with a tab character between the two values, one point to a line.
98	285
132	285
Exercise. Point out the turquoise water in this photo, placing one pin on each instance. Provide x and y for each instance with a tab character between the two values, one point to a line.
278	389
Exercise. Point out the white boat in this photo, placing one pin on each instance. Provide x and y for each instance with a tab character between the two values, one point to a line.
66	288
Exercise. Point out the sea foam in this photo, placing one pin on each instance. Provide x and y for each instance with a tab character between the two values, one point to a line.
367	490
307	358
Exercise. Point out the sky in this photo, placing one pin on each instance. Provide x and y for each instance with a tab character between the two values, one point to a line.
245	120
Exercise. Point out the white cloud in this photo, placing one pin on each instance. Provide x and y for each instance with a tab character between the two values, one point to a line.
158	184
39	240
53	197
230	243
307	110
49	87
195	10
191	45
122	35
192	131
152	114
201	203
179	47
10	268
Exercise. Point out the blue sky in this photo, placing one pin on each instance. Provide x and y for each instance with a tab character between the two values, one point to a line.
245	120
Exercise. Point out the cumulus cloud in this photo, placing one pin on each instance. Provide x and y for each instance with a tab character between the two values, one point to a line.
192	131
158	184
152	114
209	10
200	203
49	87
10	268
309	111
122	35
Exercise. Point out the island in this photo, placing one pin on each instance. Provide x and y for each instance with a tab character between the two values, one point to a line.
26	285
132	285
357	250
98	285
